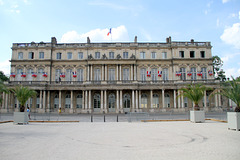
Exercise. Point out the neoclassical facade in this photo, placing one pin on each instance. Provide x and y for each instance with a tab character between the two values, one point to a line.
111	77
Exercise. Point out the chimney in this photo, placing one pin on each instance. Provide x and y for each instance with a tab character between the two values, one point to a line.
88	40
54	40
135	39
192	40
167	40
170	39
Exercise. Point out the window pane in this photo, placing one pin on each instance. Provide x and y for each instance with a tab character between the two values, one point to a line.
142	55
41	55
153	55
125	55
143	74
80	55
194	74
20	55
69	55
97	55
164	55
165	74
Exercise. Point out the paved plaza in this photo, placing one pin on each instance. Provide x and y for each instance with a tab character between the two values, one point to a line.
122	140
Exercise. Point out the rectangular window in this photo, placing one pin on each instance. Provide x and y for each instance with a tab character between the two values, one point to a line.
69	55
97	74
30	55
97	55
80	74
20	55
204	73
111	55
154	74
57	74
142	55
165	74
181	54
59	55
164	55
126	74
192	54
125	55
143	74
183	74
194	73
41	55
80	55
153	55
111	74
202	54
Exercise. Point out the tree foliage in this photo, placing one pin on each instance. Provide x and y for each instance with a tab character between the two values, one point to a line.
3	88
218	72
3	77
231	90
23	94
194	92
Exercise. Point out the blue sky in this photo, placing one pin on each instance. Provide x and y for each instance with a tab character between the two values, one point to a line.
217	21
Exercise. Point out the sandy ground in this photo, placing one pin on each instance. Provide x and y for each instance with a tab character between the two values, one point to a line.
115	141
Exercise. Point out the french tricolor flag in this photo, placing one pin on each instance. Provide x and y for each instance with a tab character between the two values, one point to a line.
109	32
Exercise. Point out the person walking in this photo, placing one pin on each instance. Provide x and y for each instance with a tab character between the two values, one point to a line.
28	111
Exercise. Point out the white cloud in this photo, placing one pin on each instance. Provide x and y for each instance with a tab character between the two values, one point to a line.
98	35
228	57
231	35
239	14
225	1
218	22
235	72
1	2
5	67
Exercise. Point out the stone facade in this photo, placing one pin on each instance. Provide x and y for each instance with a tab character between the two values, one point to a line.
111	77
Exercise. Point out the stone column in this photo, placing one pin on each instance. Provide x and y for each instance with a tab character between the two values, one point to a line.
163	102
120	72
83	100
40	105
151	98
133	104
205	99
230	102
131	72
90	100
182	101
105	101
179	104
117	101
91	74
71	107
17	108
44	100
219	99
216	101
48	101
137	100
106	73
3	100
6	102
86	100
117	71
121	107
135	72
102	72
60	99
102	101
174	98
88	72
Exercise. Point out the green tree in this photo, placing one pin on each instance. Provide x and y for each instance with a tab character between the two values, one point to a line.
195	93
23	94
3	77
218	72
231	90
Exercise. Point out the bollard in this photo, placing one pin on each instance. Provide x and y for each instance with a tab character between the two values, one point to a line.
117	117
104	118
91	118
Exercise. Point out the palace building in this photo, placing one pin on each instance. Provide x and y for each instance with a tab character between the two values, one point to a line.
111	77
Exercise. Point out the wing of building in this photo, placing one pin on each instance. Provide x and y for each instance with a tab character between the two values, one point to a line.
111	77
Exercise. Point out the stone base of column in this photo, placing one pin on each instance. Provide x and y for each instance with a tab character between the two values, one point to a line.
89	111
71	110
16	110
48	110
84	111
119	110
41	110
4	110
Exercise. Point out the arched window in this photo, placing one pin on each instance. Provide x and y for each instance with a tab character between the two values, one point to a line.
167	100
204	73
155	103
111	101
96	101
79	101
56	101
68	101
144	101
126	101
29	74
194	73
